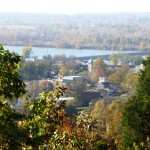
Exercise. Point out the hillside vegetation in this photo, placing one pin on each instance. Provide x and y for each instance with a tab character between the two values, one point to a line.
109	31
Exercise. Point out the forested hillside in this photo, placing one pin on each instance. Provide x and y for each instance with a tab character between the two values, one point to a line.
116	31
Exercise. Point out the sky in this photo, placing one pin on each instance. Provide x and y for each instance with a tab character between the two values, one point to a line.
74	6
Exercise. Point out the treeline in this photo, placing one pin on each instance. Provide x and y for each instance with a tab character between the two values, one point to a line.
79	33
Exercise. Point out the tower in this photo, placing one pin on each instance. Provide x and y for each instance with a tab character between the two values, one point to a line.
90	65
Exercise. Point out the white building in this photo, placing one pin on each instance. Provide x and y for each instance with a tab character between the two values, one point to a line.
90	65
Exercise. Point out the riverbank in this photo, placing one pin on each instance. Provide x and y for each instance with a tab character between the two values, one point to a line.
41	51
71	47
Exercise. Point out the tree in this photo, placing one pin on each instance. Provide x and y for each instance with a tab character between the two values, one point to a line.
59	57
98	112
35	87
35	70
98	70
71	107
136	114
130	81
10	83
47	57
43	69
28	71
124	59
11	87
46	85
99	64
113	59
115	78
113	134
136	60
123	70
27	52
74	89
108	118
68	67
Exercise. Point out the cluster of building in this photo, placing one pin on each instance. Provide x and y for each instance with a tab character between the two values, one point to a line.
102	89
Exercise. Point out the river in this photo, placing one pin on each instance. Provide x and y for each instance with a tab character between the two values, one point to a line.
41	51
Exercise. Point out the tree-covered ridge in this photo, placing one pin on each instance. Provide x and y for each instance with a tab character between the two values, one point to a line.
115	32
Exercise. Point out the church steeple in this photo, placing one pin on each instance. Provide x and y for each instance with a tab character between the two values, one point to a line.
90	65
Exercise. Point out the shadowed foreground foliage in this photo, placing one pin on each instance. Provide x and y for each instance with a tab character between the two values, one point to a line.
10	83
45	124
136	114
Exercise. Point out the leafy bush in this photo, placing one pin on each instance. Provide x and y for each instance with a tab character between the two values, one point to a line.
46	124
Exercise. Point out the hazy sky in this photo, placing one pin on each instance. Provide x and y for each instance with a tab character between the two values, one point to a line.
74	6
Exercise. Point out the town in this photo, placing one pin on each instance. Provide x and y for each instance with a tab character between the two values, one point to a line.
86	80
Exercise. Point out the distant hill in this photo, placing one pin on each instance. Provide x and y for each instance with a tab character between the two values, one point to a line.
116	31
47	19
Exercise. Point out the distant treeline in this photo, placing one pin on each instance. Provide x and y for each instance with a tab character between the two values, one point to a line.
106	32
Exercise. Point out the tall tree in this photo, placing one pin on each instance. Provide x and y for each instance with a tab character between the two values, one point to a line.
130	81
136	114
99	67
10	83
11	87
113	59
123	59
27	52
115	78
99	64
